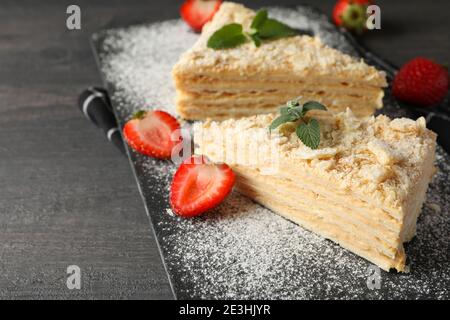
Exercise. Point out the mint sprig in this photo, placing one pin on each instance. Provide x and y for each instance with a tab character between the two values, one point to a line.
271	29
309	130
262	29
229	36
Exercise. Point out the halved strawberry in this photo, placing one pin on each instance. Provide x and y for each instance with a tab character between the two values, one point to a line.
198	12
152	133
199	185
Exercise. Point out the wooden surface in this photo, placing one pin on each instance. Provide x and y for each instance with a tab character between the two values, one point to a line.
66	195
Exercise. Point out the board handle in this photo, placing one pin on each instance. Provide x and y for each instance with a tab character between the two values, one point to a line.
95	104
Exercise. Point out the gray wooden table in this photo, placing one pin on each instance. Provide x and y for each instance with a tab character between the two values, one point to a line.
67	197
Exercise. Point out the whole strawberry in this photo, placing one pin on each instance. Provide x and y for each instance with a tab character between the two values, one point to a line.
422	82
351	14
198	12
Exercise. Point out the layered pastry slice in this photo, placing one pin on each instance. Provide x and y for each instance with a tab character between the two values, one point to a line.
249	80
363	187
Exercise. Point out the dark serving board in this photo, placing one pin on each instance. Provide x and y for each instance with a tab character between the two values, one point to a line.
242	250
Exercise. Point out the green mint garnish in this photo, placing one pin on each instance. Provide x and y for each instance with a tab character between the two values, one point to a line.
256	40
313	105
262	29
308	131
271	29
259	19
229	36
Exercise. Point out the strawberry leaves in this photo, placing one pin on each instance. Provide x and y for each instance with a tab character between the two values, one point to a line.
261	29
309	130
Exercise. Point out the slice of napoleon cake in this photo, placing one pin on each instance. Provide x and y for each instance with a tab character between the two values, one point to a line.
247	80
363	187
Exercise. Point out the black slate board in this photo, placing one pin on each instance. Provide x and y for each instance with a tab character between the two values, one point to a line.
316	268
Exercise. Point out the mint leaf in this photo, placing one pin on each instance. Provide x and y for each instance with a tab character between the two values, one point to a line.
262	28
309	133
271	29
229	36
260	18
256	40
284	110
280	120
296	111
313	105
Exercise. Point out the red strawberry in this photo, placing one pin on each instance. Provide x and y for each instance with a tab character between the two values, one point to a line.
199	185
421	81
152	133
198	12
351	14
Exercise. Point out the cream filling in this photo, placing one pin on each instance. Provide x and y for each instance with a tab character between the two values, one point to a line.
289	177
251	109
195	111
198	75
347	221
379	222
415	202
275	98
347	240
213	85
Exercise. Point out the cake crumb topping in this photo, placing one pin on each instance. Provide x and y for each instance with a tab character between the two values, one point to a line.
382	157
300	55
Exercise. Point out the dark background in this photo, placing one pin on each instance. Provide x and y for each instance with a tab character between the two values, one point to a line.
66	195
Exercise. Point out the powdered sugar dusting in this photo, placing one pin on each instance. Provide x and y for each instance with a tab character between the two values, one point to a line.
242	250
245	251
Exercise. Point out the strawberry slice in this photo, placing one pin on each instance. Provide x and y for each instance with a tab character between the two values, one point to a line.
152	133
198	12
199	185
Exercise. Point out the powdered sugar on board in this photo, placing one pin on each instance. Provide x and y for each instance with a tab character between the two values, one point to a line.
242	250
142	64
